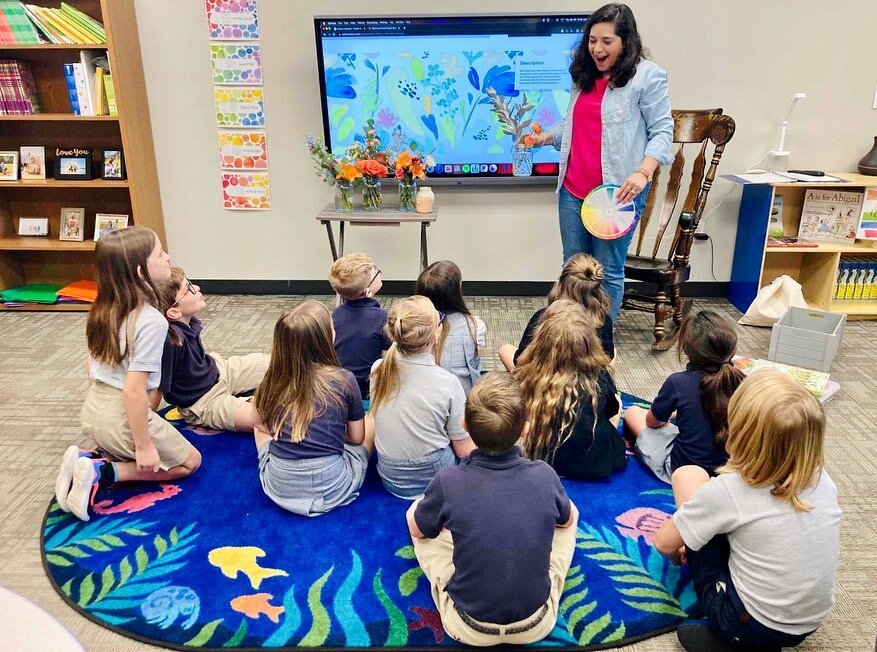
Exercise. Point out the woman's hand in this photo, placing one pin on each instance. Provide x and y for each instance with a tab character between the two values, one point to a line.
631	187
147	458
540	140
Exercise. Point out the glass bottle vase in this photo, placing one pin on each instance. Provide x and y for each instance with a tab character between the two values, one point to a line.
407	195
522	161
343	197
372	200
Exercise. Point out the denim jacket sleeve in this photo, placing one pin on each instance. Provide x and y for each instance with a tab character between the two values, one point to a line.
654	104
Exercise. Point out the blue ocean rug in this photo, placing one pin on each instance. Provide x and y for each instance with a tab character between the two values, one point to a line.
211	563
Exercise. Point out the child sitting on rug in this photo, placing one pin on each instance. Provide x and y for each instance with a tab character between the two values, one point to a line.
462	334
125	334
204	387
581	281
571	396
761	539
699	396
416	406
495	535
359	320
312	447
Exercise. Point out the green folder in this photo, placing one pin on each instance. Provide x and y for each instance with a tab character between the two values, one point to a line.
34	293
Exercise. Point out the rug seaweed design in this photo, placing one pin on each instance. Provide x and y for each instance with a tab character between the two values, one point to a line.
211	563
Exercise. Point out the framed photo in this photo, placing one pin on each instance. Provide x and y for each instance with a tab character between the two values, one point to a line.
33	162
33	226
73	163
8	166
72	224
105	222
112	164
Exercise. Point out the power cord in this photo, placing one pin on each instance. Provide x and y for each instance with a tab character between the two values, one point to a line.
705	236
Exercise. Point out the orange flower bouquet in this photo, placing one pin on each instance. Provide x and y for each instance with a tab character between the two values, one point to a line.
409	168
372	163
338	172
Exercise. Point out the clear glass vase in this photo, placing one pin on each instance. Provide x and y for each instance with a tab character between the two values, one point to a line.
407	195
522	161
343	197
371	194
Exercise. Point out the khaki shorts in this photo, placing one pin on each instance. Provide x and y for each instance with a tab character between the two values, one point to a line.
238	374
436	559
104	419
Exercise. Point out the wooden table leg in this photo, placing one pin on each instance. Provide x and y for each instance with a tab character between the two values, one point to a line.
331	240
342	237
424	256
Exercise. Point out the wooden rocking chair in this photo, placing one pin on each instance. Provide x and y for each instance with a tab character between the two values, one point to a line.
697	127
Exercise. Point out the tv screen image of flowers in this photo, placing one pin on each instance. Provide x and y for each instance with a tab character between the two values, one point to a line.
465	90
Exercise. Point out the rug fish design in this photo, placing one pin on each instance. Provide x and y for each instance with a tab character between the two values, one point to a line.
232	560
642	522
253	606
139	502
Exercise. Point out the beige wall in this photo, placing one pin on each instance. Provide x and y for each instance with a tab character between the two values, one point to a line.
747	56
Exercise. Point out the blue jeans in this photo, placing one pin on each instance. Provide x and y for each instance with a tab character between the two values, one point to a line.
611	253
725	613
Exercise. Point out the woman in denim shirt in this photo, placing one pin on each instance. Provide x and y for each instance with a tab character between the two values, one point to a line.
620	109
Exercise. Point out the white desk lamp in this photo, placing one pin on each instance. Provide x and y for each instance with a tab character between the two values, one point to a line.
781	154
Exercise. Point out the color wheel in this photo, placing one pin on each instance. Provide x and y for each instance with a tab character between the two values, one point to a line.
605	218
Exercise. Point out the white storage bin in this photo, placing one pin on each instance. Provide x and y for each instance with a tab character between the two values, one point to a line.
806	338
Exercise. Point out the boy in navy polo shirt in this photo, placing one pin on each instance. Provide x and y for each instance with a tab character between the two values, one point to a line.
206	388
359	320
489	594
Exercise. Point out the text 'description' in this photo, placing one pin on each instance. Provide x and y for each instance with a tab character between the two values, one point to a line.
541	73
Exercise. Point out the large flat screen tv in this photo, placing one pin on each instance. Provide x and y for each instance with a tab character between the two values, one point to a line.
424	80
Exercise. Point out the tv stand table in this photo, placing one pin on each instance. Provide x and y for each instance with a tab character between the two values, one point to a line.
389	217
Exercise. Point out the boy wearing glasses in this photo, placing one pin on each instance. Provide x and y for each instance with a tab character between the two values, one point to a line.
359	320
206	388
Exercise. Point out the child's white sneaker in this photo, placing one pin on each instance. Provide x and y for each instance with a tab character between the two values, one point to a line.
65	476
85	483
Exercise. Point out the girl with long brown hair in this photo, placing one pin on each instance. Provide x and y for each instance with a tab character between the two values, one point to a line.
699	396
416	406
462	333
571	396
311	441
581	280
125	334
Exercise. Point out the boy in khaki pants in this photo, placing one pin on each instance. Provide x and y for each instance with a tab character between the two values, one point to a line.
495	535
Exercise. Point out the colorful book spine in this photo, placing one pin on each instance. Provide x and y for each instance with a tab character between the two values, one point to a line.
82	89
41	26
85	23
111	95
17	89
857	279
18	28
70	78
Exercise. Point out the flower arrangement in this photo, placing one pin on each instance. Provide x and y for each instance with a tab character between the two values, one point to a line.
408	169
511	115
338	172
372	162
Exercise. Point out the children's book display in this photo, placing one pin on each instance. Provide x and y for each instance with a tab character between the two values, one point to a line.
816	382
856	279
27	24
830	215
868	223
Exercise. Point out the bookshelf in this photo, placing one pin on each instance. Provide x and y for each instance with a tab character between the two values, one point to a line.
815	268
50	260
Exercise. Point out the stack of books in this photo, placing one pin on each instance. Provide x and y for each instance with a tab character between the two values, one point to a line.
18	92
78	292
816	382
90	85
64	25
15	26
23	295
856	279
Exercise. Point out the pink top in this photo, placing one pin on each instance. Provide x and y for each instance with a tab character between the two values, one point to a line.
585	169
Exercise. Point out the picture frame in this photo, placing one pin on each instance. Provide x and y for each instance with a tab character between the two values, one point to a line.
32	162
106	222
73	163
72	224
33	226
112	164
8	166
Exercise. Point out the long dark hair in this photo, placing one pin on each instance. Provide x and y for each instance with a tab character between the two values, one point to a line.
583	69
442	283
709	342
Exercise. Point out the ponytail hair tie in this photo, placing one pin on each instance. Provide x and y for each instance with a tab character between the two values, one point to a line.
728	362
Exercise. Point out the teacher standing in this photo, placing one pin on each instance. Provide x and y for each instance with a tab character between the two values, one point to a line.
618	129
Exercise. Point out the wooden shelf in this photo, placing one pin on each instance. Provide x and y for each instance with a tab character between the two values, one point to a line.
61	183
58	117
827	248
53	46
854	307
48	307
851	180
36	243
